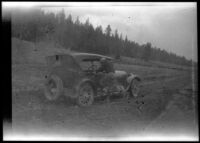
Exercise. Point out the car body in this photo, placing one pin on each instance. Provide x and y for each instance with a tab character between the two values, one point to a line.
75	75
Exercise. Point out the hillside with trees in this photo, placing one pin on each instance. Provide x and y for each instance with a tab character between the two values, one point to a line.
35	25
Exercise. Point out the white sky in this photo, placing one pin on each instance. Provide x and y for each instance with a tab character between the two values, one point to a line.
169	26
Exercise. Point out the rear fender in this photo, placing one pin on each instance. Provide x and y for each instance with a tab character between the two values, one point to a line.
46	78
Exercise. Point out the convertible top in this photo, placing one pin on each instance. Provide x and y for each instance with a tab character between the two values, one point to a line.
89	56
79	57
83	56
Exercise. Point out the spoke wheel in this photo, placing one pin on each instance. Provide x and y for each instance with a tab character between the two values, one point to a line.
135	88
86	95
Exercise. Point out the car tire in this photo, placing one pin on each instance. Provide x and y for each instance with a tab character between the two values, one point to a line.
135	88
53	88
86	94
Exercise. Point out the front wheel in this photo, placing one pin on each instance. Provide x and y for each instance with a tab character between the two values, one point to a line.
135	88
85	94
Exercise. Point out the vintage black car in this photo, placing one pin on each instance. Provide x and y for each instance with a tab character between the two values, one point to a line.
76	75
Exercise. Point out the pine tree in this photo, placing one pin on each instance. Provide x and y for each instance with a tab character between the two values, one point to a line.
147	52
108	31
77	22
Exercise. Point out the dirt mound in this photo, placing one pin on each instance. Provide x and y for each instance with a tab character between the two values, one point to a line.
25	52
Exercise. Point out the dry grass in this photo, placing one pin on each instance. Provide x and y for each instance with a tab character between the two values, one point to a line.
155	64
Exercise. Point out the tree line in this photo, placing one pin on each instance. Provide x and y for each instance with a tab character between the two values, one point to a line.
36	25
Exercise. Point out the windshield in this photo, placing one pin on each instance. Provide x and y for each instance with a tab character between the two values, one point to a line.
89	65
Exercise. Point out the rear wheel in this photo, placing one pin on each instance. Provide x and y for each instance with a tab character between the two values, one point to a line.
85	94
53	88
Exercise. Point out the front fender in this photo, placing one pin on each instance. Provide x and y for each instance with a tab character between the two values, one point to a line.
84	81
130	78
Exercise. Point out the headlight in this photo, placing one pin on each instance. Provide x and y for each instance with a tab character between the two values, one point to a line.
130	77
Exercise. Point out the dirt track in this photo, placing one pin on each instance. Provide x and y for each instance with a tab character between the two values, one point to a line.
33	115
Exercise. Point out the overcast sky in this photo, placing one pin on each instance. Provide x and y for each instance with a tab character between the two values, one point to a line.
169	26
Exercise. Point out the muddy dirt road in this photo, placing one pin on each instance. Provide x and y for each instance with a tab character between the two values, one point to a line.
33	115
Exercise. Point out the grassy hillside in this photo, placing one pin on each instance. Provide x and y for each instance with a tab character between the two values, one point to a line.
24	52
28	64
157	64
